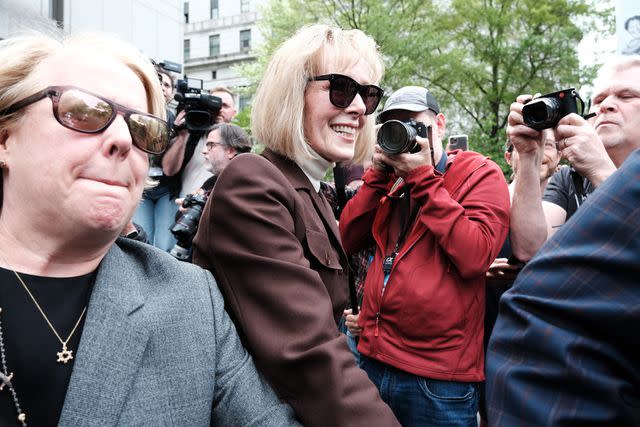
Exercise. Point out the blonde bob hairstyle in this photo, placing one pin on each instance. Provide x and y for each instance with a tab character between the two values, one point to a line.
278	113
20	57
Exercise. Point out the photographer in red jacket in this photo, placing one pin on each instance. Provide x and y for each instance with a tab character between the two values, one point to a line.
437	220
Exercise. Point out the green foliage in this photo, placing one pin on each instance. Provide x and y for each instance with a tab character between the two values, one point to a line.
243	119
475	55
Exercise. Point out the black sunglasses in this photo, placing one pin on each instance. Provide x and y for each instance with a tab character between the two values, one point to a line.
85	112
343	89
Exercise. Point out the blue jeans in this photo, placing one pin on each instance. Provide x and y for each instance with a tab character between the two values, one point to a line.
156	213
419	401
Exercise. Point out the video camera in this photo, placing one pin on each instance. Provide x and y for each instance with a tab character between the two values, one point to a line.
201	108
186	225
546	111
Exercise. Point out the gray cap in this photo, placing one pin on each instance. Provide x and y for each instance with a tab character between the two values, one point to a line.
410	98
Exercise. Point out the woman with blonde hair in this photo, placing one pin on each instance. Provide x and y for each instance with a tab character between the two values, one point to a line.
272	239
96	329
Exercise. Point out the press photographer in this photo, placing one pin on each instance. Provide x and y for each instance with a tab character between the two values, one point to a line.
197	111
438	220
594	148
223	143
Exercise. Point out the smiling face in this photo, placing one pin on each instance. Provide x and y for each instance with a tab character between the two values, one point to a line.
62	181
331	131
616	100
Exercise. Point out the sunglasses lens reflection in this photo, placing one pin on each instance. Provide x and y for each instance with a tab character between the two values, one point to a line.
84	112
148	133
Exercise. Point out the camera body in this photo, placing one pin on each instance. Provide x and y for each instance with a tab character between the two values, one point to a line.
201	108
546	111
395	136
186	225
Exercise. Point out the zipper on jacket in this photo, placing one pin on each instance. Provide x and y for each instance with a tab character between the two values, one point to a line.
375	331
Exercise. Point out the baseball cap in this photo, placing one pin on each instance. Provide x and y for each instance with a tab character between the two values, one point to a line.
410	98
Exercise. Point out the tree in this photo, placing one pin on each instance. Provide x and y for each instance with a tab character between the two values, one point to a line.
475	55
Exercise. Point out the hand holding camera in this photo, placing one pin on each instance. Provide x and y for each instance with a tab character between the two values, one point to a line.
582	147
403	146
576	138
186	225
527	141
200	109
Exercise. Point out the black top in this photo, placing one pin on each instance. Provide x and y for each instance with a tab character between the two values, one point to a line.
30	346
561	191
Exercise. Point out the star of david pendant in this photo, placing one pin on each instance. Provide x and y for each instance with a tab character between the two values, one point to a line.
65	355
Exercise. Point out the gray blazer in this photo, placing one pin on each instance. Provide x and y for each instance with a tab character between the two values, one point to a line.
158	349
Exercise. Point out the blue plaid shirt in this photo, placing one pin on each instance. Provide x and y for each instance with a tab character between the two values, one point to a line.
565	350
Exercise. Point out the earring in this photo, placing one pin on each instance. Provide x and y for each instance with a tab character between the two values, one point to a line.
2	164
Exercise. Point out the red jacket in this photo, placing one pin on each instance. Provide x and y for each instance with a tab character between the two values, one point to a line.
429	322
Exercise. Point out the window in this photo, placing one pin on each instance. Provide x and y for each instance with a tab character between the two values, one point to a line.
244	6
56	8
214	74
214	45
185	12
187	49
215	11
243	102
245	40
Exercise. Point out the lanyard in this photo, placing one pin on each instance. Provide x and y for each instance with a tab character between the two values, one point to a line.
407	222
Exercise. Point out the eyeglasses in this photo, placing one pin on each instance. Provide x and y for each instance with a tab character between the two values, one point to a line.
211	144
343	89
85	112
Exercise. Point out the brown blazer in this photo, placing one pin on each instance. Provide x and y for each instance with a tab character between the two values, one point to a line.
274	247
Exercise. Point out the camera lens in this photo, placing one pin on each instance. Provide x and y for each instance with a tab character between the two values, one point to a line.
197	120
395	137
542	113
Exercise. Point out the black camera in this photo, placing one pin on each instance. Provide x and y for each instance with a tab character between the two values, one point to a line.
201	108
395	136
186	225
546	111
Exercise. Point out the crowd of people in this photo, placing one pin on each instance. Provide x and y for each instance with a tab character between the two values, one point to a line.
272	323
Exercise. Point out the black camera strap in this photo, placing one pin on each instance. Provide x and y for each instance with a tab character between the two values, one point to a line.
341	198
406	223
339	180
578	185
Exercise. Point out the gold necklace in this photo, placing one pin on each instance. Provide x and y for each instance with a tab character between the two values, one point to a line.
65	355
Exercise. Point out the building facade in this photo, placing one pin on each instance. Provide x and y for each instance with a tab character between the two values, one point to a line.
218	35
154	26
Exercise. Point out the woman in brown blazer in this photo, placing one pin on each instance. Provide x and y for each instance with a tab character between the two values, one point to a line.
271	238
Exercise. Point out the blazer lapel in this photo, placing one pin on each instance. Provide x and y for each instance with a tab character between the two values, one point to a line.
326	214
300	182
111	346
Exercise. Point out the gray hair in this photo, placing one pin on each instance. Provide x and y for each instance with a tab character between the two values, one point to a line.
233	137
